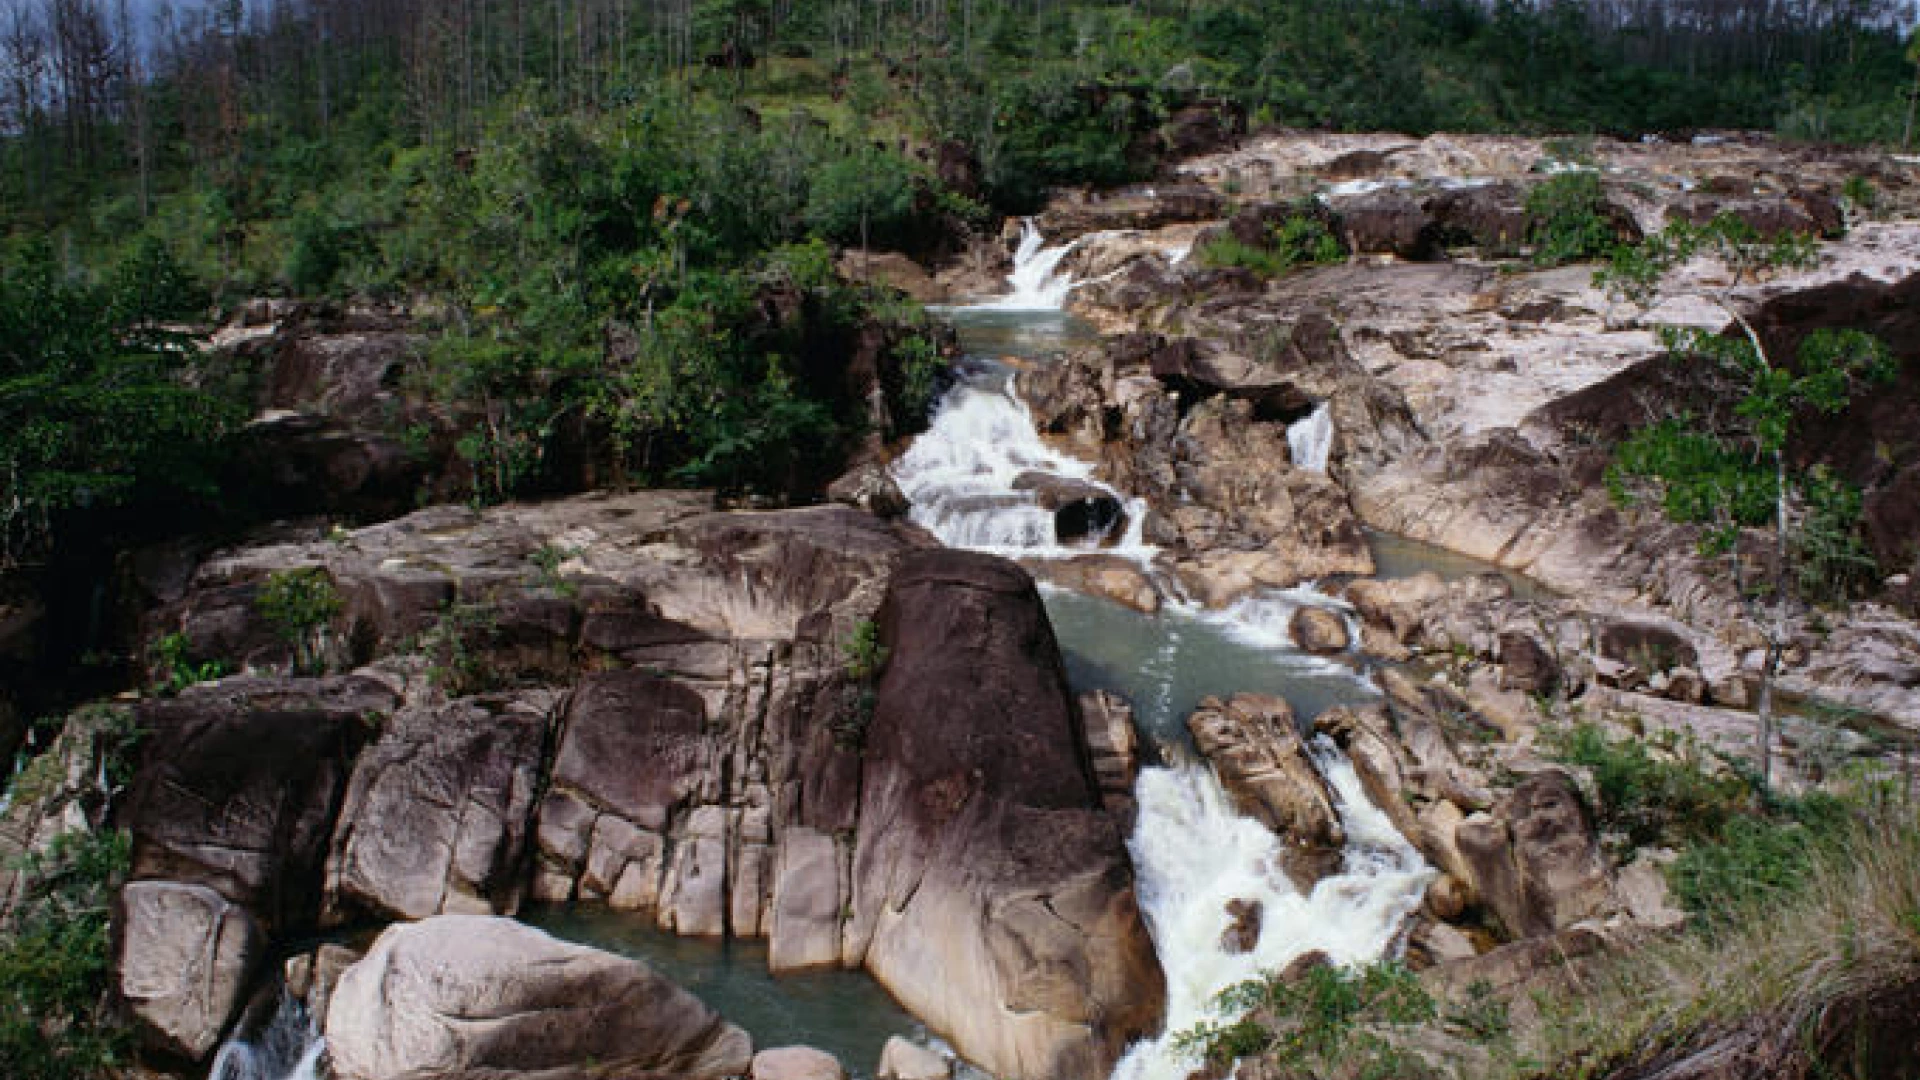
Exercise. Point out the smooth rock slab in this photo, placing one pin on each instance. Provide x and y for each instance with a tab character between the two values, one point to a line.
185	957
796	1063
469	996
903	1060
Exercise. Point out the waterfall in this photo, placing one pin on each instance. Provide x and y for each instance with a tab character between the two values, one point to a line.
959	477
1311	440
1265	619
287	1048
1193	854
1035	285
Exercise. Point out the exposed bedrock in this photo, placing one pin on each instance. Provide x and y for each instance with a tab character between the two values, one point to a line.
991	891
636	701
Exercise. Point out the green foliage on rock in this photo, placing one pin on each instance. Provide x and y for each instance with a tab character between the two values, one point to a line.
56	1022
1299	239
300	604
1324	1018
1570	222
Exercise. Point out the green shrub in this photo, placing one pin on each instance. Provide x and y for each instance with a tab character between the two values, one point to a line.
299	604
1327	1016
172	653
1647	799
1751	862
1569	219
55	1023
1298	240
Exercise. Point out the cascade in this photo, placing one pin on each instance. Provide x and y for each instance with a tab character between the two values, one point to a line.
1311	439
960	474
1191	851
288	1047
1193	854
1035	285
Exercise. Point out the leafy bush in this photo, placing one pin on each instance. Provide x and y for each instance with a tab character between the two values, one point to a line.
172	654
1327	1016
1832	559
1569	219
1298	240
1753	861
55	961
97	410
1648	799
299	604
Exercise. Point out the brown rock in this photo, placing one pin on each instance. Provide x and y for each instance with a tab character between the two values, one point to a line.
989	885
239	784
1526	665
1534	859
796	1063
1254	746
1319	630
437	814
1243	926
184	961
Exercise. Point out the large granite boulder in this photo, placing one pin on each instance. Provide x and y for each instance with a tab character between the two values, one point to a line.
1534	858
437	814
239	784
992	894
466	996
1255	747
184	958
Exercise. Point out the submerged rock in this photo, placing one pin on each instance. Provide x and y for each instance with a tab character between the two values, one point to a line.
464	995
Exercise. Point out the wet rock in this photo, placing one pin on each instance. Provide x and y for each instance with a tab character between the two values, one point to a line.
1254	745
312	977
808	902
471	995
185	957
870	488
903	1060
1115	749
1242	934
1397	606
1526	665
1319	630
796	1063
239	784
1110	577
1081	511
1130	208
1492	218
437	814
1535	861
1388	223
992	894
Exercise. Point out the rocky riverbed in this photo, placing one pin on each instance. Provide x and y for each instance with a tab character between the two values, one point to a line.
823	728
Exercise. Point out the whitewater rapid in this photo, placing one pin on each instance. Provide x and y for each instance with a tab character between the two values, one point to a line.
1192	853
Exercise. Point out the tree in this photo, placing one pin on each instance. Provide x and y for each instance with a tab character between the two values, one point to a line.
1731	472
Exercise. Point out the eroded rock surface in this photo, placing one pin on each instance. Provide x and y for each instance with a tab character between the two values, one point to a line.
464	995
991	891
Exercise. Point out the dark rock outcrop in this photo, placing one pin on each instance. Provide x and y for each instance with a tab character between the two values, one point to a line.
991	892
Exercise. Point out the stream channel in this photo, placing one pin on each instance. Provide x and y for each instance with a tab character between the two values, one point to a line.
1191	851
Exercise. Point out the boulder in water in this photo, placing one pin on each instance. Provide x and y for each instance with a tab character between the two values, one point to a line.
1255	747
796	1063
903	1060
468	995
1244	919
1319	630
992	892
